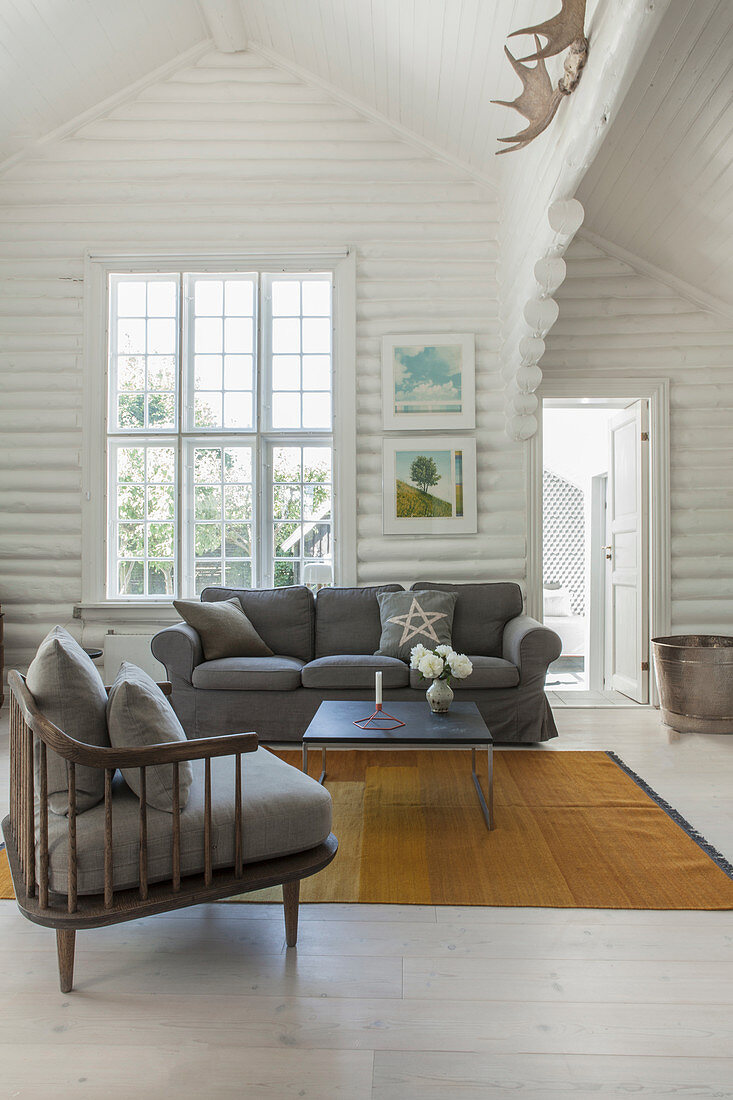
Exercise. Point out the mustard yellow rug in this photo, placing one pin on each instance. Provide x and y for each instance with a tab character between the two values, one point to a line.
572	830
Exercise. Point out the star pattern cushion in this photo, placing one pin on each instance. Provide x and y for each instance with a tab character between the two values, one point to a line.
414	618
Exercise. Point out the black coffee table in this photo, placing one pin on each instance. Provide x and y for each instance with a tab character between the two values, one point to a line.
462	727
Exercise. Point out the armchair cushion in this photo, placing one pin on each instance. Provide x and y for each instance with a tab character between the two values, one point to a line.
224	629
68	689
139	714
283	811
482	611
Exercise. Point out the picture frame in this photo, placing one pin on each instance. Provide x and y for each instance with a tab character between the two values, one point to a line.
429	485
428	382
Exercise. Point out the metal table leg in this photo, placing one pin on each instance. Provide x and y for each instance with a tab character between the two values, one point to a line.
487	811
323	762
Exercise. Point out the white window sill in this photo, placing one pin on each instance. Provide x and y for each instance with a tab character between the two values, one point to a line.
158	612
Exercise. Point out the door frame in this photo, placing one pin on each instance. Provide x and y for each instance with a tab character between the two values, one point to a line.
656	392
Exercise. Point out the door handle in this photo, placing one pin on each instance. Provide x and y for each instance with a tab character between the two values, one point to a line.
608	550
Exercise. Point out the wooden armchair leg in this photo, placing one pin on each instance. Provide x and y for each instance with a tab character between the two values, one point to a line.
65	943
291	898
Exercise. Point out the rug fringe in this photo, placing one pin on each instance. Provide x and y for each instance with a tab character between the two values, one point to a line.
717	857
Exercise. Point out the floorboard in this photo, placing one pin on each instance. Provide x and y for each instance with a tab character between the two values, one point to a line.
397	1002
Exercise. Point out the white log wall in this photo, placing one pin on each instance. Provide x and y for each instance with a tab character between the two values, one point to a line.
233	152
614	321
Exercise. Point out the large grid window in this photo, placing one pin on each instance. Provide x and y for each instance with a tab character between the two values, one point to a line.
219	435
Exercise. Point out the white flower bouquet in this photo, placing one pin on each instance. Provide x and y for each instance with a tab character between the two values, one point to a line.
441	663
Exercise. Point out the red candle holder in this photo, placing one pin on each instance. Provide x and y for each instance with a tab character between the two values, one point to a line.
376	720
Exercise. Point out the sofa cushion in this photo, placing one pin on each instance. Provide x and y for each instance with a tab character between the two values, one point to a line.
138	714
482	611
354	672
283	811
249	674
283	617
347	619
488	672
223	627
69	691
410	619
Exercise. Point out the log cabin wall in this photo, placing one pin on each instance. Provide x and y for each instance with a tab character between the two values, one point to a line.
614	321
231	151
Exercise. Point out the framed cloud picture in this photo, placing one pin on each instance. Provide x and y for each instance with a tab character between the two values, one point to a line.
428	382
429	485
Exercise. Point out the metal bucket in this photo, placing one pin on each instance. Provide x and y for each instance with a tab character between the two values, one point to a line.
695	678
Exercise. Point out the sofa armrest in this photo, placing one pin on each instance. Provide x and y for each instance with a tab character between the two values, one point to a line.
179	648
529	645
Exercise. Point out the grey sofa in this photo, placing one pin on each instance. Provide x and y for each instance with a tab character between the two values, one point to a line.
325	646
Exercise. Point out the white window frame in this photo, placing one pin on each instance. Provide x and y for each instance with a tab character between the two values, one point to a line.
98	267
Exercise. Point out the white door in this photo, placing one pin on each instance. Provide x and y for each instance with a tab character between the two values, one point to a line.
628	488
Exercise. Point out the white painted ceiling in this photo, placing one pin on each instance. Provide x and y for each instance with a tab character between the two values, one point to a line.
662	184
660	188
59	58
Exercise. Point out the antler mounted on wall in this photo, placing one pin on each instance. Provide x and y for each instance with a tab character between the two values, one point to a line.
538	102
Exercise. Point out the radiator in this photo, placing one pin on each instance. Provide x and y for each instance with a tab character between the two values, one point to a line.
130	647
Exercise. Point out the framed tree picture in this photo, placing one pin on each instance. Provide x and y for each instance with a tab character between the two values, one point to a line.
428	382
429	485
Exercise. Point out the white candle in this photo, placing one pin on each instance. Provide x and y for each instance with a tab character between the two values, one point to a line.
378	688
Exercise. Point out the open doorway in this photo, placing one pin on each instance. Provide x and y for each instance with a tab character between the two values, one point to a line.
595	546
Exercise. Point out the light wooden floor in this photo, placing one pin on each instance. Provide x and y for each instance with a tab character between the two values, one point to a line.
396	1003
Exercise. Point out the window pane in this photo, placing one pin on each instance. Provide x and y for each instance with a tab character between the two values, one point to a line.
238	464
238	297
286	502
238	574
286	298
131	578
224	336
161	578
238	410
316	372
208	334
237	502
285	336
286	463
208	372
317	502
238	372
143	350
316	334
317	463
207	410
286	372
287	540
131	336
238	334
222	533
144	558
161	337
206	573
209	297
286	572
162	299
131	299
316	298
317	540
131	372
317	410
286	410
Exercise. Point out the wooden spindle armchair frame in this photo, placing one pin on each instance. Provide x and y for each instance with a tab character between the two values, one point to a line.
70	911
